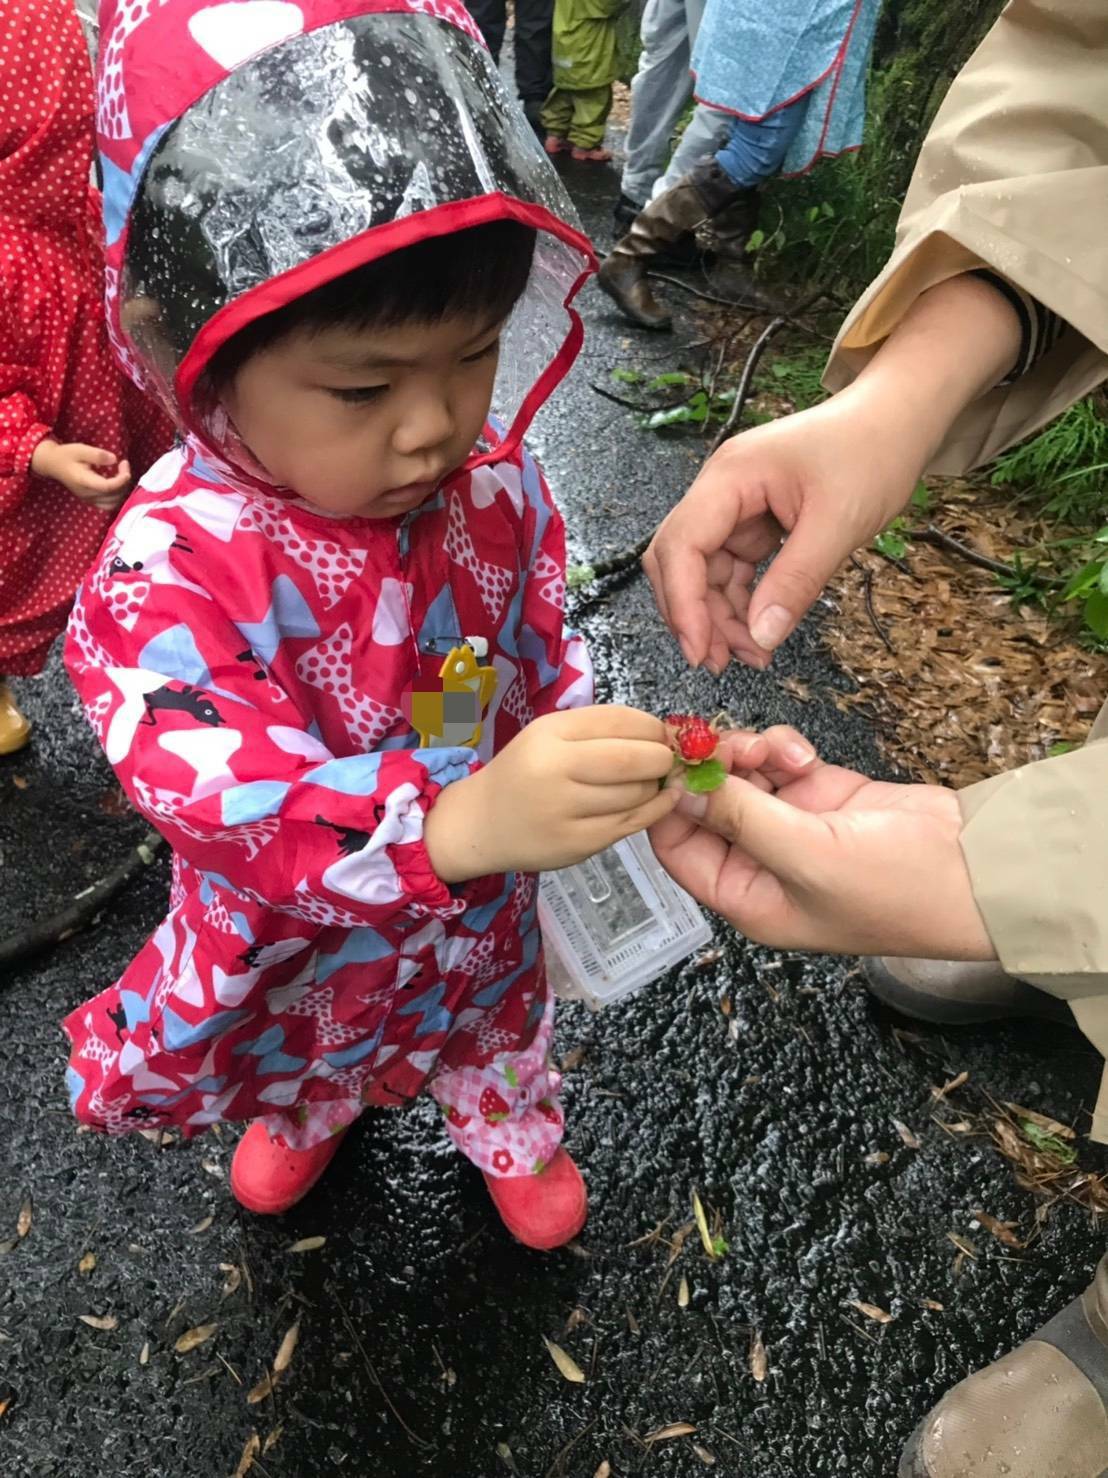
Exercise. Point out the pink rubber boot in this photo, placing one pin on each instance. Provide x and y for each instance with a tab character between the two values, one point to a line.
268	1177
543	1211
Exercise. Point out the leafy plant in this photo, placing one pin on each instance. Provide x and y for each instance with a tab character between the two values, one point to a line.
892	541
1064	464
799	375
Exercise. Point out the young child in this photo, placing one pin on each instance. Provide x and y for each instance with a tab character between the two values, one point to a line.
67	422
323	646
585	54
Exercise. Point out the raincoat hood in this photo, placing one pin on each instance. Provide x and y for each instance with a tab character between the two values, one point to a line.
46	112
255	149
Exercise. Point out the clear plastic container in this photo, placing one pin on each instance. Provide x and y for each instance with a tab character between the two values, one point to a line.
615	922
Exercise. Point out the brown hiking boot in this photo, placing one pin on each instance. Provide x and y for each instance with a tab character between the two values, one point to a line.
956	993
1039	1412
702	195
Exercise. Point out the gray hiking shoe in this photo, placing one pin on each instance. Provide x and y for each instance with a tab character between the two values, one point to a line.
1039	1412
955	993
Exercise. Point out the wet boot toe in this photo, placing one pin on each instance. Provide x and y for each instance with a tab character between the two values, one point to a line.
956	993
1039	1412
624	279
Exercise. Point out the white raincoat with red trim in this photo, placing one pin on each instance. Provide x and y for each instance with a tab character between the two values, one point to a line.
244	659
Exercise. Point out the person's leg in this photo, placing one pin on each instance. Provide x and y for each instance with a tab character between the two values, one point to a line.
590	117
707	131
506	1118
534	75
660	89
556	117
492	21
1042	1409
755	149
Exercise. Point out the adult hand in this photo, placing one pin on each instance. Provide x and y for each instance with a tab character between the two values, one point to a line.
569	785
83	470
807	490
827	479
821	858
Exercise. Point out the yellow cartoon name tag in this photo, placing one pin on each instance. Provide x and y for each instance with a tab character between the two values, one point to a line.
447	710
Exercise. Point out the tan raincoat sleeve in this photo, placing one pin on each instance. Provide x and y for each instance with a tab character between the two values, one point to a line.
1014	176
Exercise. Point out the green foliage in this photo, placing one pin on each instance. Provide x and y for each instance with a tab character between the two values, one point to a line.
709	775
1064	465
798	376
1042	1139
834	228
892	541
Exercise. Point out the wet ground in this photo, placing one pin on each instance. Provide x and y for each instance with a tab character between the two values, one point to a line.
421	1325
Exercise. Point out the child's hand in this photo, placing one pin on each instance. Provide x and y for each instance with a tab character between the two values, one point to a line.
811	856
567	787
75	467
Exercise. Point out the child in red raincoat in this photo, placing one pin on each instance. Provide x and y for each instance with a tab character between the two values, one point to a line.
70	428
324	645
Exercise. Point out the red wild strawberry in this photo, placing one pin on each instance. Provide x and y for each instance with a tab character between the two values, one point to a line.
458	1120
677	720
492	1107
697	741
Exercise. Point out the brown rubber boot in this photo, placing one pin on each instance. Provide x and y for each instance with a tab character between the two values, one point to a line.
703	194
954	993
730	275
15	730
1039	1412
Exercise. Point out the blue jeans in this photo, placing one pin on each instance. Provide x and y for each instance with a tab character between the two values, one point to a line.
755	150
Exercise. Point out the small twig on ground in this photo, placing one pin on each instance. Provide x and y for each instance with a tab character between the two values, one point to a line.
741	394
376	1379
932	535
606	394
871	611
699	292
557	1467
82	910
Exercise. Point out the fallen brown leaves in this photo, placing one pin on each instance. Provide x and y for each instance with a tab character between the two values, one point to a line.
973	686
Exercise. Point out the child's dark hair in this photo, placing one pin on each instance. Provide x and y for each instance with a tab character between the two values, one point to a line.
480	272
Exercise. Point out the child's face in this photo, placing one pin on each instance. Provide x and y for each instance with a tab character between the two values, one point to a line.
367	422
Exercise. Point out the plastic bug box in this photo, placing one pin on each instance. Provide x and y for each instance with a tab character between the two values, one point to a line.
615	922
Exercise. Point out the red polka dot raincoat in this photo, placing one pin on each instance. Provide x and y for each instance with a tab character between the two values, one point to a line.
57	375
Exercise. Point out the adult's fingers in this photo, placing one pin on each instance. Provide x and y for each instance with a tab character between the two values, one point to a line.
779	837
718	502
698	860
813	551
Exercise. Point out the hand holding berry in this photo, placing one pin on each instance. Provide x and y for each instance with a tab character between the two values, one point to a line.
568	786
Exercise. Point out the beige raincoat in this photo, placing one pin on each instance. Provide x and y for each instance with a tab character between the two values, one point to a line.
1014	176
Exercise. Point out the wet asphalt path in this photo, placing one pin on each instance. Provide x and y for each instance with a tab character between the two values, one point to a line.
421	1324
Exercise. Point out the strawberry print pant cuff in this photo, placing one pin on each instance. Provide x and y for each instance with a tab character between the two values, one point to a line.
505	1117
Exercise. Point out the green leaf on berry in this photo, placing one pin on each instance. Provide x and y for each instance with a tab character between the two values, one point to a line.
703	778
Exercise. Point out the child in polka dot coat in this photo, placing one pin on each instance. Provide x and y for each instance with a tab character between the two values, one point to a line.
324	645
71	427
